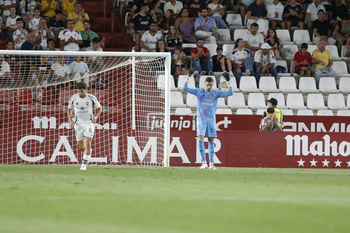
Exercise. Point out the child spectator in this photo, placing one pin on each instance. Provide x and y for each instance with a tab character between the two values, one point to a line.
172	39
6	5
51	47
94	61
274	42
11	22
34	22
263	23
302	61
20	35
27	9
179	61
157	10
57	24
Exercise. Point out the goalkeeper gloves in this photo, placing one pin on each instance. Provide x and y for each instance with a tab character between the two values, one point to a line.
227	78
190	73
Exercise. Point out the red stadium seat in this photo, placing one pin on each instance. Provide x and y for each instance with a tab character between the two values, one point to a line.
33	108
13	108
54	108
64	96
6	97
107	97
24	96
46	96
3	44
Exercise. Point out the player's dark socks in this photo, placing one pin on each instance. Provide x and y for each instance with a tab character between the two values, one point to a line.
85	161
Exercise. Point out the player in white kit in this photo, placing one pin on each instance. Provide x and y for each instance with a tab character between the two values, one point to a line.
84	119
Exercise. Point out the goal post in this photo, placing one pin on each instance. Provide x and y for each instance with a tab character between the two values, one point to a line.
132	87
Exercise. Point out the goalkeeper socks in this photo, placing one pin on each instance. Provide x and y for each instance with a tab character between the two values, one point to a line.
86	159
201	149
211	152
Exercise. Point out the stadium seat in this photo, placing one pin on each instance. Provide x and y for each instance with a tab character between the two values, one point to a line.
233	83
224	111
343	53
6	96
287	112
344	84
225	36
244	111
280	99
340	68
328	85
107	97
236	101
301	36
227	49
283	64
326	112
305	112
46	96
348	101
288	84
315	102
311	48
221	103
268	84
161	83
33	108
239	33
211	48
256	101
260	111
181	81
288	51
64	96
191	100
334	51
13	108
234	21
176	100
202	81
248	84
295	101
183	111
54	108
189	45
307	85
284	36
343	113
24	96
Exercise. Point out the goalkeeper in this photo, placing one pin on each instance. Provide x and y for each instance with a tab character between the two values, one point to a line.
206	110
83	121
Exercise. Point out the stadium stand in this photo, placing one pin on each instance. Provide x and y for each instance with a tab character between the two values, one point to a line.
248	84
176	100
308	85
336	101
236	101
256	101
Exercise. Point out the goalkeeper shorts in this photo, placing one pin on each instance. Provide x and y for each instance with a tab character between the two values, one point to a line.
206	127
84	130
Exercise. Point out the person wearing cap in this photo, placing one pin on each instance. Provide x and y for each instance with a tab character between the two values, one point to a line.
270	122
264	61
219	61
322	29
302	61
279	115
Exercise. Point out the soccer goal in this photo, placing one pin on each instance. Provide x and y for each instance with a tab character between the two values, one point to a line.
133	89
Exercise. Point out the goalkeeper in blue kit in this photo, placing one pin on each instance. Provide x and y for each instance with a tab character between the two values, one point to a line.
206	111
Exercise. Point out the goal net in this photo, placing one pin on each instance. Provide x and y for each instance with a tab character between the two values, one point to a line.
133	89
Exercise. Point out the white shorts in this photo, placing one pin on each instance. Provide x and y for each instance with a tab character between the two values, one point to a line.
84	130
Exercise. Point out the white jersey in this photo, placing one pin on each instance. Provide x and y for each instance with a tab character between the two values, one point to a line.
7	3
254	40
66	34
212	6
34	23
83	108
264	60
150	41
263	26
91	49
272	8
60	71
4	68
237	55
44	37
22	38
11	22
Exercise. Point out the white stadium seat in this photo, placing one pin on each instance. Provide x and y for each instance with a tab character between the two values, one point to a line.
315	102
305	112
183	111
176	100
334	51
256	101
161	83
324	113
344	84
244	111
239	33
307	85
295	101
284	36
280	99
191	100
328	85
288	84
227	49
336	101
268	84
343	113
284	64
234	21
311	48
287	112
221	103
225	35
223	111
236	101
211	48
288	51
181	81
340	68
260	111
301	36
248	84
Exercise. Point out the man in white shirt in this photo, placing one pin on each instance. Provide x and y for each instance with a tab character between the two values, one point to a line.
70	39
175	6
61	69
253	40
5	5
43	33
275	14
20	35
149	38
5	73
216	11
78	66
84	119
264	61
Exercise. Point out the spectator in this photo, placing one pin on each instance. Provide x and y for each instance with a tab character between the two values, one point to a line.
5	73
263	23
172	39
186	27
337	11
137	8
61	72
322	29
274	42
43	33
229	5
293	14
302	61
94	61
270	122
11	23
14	61
41	72
272	103
201	58
158	12
78	66
175	6
48	8
20	35
51	47
342	31
219	60
244	5
2	36
254	11
70	39
33	24
275	14
31	43
179	60
194	8
216	11
241	60
6	5
264	61
206	28
252	39
150	38
87	35
165	22
27	9
140	23
78	17
29	61
311	13
323	60
160	46
57	24
67	7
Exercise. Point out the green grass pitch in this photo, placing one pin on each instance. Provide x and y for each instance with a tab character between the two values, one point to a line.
63	199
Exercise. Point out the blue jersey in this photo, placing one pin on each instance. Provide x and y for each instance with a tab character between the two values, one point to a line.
207	101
